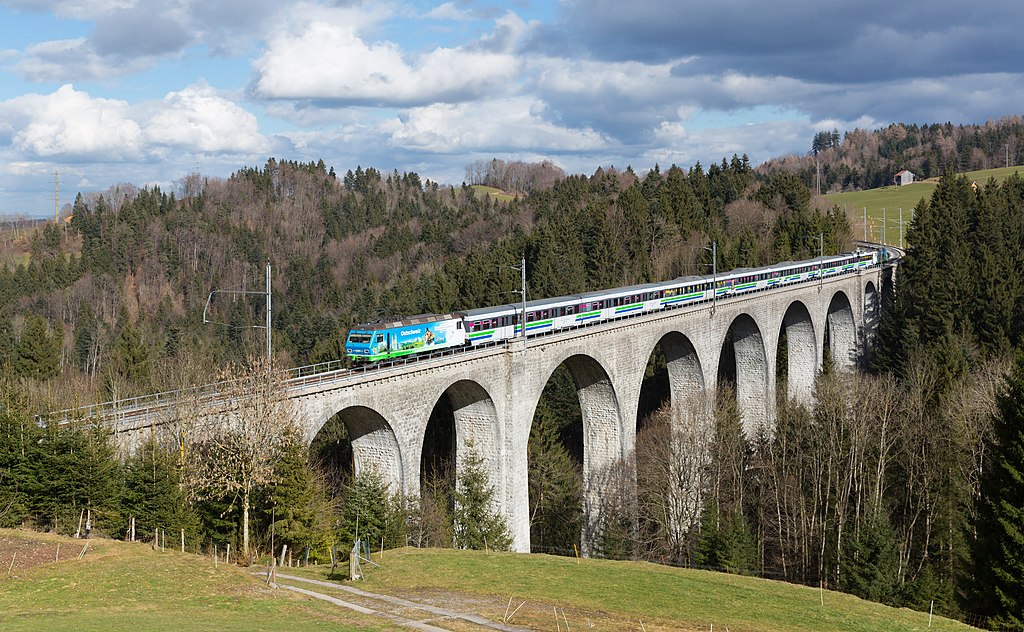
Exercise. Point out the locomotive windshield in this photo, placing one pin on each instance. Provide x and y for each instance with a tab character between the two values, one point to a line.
359	339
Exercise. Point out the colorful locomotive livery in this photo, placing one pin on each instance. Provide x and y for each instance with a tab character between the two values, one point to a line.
488	325
417	334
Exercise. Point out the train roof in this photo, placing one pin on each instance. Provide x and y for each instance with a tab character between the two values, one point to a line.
621	291
408	321
497	310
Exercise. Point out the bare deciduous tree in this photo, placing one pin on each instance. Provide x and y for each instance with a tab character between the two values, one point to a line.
240	439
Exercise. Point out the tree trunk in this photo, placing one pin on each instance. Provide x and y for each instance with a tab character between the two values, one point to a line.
245	523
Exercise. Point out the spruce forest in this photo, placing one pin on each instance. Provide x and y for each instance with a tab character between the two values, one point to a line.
901	484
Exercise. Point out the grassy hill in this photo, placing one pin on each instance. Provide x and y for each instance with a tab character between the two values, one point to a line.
893	198
130	587
498	194
120	586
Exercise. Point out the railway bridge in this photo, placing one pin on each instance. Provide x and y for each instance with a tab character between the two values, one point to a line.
494	391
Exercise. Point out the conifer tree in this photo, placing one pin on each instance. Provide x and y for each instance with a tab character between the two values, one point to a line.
37	354
993	297
998	551
478	524
153	491
370	512
869	567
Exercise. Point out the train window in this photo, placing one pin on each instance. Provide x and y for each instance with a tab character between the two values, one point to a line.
530	317
458	324
380	337
359	338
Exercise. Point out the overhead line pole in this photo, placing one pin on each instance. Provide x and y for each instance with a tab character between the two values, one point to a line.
714	275
269	347
821	260
522	290
522	280
267	293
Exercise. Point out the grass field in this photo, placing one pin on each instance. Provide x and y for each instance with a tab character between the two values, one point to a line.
618	595
121	586
498	194
892	199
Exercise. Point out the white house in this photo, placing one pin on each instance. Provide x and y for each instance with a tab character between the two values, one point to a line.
903	177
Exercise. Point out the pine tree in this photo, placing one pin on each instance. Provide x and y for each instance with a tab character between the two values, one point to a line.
993	298
19	443
153	492
870	565
297	504
370	513
478	524
37	354
998	551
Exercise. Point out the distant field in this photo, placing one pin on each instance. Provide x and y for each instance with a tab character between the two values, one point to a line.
498	194
893	198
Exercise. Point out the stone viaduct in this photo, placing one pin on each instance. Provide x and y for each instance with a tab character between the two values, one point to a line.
495	391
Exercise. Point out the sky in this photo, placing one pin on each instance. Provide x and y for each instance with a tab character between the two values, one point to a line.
142	92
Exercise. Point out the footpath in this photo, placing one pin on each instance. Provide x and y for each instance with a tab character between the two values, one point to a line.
403	612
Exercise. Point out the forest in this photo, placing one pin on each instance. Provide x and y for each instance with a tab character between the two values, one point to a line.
896	485
867	159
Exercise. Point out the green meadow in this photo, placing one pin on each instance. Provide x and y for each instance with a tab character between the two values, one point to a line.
498	194
882	206
130	587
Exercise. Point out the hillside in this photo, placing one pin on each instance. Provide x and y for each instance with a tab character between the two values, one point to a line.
117	296
122	586
867	159
894	199
130	587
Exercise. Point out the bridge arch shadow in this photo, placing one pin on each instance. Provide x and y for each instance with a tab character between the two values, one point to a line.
672	447
587	433
872	317
743	365
358	439
841	333
463	419
797	355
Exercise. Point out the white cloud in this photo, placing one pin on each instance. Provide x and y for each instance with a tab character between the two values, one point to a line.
76	9
74	126
70	125
199	120
448	11
674	144
326	58
60	60
493	125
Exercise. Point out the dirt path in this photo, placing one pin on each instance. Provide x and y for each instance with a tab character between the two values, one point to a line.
404	605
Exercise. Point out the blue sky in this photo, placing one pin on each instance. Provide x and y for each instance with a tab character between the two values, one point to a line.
141	92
